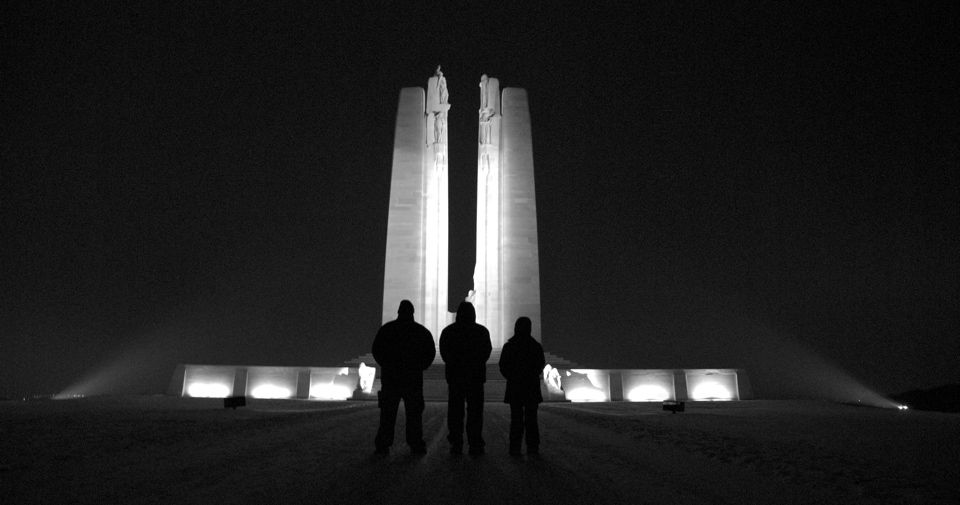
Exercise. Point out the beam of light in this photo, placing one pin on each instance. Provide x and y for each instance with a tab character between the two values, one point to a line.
648	393
330	391
66	396
141	366
710	391
208	390
271	391
789	368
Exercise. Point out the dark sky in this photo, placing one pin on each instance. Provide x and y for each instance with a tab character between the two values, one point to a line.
767	186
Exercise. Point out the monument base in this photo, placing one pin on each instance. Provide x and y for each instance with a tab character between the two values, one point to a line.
562	381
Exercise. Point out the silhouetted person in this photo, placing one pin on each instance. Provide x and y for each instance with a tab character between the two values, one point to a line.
465	348
403	349
522	363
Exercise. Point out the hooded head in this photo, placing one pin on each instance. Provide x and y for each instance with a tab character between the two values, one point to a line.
466	313
523	327
405	311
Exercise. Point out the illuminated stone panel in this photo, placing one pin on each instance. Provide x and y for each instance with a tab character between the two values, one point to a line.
404	262
273	382
486	293
334	383
506	281
712	385
648	385
417	254
342	383
586	385
520	274
208	381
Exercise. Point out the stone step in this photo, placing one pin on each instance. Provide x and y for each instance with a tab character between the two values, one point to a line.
435	383
435	390
552	360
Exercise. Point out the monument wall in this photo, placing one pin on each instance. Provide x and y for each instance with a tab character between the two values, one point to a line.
416	264
404	261
520	276
362	383
486	292
506	276
506	283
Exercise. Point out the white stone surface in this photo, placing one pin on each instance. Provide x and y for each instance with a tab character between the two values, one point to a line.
416	264
507	273
486	277
520	273
403	272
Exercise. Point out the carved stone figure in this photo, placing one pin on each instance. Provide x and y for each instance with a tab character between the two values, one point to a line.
442	86
484	165
439	125
483	91
486	112
485	127
367	375
551	376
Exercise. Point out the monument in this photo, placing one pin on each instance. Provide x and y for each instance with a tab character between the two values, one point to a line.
417	224
506	280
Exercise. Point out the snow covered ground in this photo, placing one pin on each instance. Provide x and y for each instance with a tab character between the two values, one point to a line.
173	450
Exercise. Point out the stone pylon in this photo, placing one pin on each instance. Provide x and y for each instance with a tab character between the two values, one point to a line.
506	281
416	265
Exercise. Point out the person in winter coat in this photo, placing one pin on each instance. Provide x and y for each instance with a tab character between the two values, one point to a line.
465	347
403	349
522	363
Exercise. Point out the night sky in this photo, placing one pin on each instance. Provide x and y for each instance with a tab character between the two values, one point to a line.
765	186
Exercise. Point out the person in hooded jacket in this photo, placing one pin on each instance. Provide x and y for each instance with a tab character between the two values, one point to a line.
404	349
522	363
465	347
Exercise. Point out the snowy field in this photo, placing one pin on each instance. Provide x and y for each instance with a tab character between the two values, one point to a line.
172	450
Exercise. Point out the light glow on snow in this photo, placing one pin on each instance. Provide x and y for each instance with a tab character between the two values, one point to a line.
648	393
209	381
330	392
270	391
586	394
273	382
208	390
710	391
